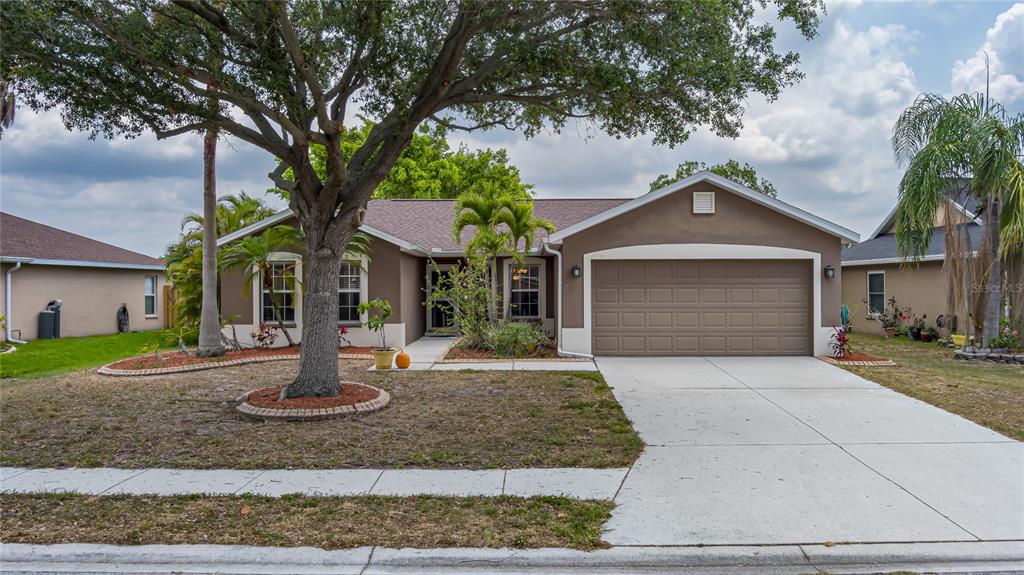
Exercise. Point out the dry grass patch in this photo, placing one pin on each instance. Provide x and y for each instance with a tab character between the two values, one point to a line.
436	419
988	393
291	521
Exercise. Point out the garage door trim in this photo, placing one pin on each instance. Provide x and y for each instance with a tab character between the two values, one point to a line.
579	340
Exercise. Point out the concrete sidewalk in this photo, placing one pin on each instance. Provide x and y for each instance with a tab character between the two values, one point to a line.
427	352
577	483
1001	557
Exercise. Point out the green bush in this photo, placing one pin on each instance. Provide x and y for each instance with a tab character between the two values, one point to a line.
515	339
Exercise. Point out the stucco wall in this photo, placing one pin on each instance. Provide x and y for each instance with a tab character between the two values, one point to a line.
91	298
670	220
414	278
922	289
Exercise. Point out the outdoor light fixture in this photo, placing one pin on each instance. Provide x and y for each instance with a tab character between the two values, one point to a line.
576	271
830	272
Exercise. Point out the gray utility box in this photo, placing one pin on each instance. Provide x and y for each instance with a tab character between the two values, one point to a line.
49	322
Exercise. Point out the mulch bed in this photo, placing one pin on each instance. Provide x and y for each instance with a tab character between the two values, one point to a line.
351	394
463	353
177	359
857	358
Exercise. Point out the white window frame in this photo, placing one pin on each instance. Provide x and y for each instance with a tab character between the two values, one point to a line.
146	296
871	313
363	263
257	289
542	311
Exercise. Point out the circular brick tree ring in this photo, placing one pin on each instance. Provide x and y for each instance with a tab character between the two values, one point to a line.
376	403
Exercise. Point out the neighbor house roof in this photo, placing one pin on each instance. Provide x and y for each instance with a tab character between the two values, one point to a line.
882	249
425	225
40	244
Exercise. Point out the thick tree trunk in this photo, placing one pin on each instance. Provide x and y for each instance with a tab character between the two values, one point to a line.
318	366
994	303
210	344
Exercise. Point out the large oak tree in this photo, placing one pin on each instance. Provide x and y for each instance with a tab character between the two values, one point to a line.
288	72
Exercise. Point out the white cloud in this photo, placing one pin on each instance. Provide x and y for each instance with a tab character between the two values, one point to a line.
1004	43
824	143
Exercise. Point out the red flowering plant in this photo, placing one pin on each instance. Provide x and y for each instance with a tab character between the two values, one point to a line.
839	342
1009	337
342	339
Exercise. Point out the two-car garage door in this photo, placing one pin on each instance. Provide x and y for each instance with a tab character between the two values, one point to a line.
689	307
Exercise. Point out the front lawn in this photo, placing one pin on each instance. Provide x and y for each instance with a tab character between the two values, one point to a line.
293	521
988	393
42	357
436	419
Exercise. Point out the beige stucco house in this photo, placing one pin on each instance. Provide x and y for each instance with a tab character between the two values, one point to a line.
40	264
704	266
873	271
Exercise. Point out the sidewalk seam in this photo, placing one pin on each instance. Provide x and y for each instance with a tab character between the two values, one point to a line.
251	479
381	474
123	480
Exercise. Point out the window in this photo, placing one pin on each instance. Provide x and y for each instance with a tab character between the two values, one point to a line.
524	292
349	287
282	278
876	292
150	295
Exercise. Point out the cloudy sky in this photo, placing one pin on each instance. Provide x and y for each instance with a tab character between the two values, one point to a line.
823	143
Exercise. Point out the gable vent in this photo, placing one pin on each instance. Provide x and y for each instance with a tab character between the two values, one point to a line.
703	202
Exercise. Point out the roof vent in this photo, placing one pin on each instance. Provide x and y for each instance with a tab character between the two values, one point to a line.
703	202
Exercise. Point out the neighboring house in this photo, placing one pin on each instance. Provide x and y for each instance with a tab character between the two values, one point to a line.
873	271
703	266
40	264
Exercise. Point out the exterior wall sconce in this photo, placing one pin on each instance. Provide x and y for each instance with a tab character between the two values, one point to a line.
830	272
576	271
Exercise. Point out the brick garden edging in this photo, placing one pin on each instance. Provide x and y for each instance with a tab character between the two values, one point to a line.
107	370
863	363
976	354
375	404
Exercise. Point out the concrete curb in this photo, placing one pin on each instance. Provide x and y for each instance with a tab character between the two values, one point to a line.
977	557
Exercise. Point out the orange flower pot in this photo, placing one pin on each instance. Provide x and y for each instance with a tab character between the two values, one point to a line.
402	360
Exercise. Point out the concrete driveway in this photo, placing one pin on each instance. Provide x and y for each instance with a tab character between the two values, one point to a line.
748	450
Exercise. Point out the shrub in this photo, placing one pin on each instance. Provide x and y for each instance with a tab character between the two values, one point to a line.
466	286
515	339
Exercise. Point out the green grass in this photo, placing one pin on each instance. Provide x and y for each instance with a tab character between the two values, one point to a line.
42	357
988	393
296	520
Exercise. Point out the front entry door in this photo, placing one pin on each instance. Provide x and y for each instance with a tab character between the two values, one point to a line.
440	314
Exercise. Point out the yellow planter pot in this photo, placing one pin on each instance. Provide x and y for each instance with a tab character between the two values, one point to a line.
958	339
382	358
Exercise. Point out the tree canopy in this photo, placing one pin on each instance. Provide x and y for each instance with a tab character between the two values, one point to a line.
745	174
429	168
283	75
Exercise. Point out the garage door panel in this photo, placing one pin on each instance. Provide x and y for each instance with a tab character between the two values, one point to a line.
712	295
701	308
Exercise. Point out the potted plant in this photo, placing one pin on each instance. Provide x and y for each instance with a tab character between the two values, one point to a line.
929	334
378	311
916	327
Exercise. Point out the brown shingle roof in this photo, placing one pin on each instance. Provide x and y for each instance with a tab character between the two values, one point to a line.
428	223
27	239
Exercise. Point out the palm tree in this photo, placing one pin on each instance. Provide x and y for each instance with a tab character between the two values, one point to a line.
522	226
209	315
184	257
253	254
480	209
964	145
